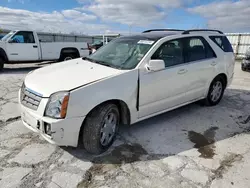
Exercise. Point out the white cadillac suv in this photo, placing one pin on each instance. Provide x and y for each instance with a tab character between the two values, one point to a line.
130	79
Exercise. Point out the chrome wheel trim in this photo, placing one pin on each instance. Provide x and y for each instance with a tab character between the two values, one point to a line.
67	58
216	91
108	129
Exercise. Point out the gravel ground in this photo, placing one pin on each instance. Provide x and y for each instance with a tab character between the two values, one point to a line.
194	146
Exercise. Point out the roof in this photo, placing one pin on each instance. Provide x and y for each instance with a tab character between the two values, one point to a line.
156	35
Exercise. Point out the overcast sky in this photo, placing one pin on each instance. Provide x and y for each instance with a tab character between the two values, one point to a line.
118	16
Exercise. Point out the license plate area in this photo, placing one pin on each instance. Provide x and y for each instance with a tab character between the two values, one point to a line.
30	120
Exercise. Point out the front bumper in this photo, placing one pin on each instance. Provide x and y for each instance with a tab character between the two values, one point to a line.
63	132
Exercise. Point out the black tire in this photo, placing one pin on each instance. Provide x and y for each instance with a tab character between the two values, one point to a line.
243	68
91	134
208	101
1	64
63	57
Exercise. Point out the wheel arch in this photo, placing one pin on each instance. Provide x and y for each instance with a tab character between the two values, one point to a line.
224	78
3	55
69	50
123	110
225	81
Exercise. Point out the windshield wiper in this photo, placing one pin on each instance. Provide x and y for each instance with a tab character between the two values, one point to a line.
98	62
88	59
92	60
105	64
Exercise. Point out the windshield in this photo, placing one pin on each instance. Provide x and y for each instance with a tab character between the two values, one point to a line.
122	53
6	37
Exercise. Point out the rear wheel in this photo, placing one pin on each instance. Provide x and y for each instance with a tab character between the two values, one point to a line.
1	64
100	128
66	57
216	91
68	54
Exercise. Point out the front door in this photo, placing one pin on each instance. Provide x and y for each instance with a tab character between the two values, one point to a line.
22	47
164	89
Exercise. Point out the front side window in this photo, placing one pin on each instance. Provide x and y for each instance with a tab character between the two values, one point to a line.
197	48
171	52
122	53
23	37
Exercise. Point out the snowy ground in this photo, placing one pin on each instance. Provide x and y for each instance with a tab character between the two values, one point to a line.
194	146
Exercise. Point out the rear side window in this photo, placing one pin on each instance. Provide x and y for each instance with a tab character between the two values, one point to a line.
197	48
222	42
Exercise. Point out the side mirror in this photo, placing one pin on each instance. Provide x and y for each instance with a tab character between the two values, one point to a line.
11	41
155	65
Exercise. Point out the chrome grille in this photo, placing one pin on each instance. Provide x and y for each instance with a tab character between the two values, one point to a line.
30	98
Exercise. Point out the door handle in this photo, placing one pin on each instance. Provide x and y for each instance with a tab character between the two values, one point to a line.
214	63
35	46
182	71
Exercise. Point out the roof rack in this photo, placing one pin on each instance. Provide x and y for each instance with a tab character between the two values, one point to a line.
147	31
194	30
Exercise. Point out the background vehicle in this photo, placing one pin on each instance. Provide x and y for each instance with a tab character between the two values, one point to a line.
96	45
30	46
245	64
128	80
1	36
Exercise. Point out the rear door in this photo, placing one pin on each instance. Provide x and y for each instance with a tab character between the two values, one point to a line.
228	53
202	64
22	47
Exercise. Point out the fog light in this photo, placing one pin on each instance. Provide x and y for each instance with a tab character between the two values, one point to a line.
47	128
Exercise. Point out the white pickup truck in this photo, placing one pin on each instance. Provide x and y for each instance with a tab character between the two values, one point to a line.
30	46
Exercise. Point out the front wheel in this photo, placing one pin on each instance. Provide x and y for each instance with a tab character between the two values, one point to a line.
100	128
216	91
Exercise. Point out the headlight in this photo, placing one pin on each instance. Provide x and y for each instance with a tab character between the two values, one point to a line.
57	105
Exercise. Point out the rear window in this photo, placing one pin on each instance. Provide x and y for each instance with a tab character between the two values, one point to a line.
222	42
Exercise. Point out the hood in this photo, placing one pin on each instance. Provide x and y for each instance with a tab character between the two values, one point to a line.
68	75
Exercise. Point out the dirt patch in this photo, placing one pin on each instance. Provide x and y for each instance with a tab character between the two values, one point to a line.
122	154
247	120
204	142
13	119
105	164
226	163
10	120
245	130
